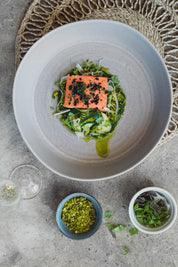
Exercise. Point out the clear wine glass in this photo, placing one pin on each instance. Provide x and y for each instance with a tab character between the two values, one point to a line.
25	182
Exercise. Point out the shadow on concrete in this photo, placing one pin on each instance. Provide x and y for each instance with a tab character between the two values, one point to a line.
130	186
61	188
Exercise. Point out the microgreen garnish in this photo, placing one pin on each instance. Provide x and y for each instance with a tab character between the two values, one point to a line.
126	251
133	231
151	209
110	226
123	250
108	214
116	228
119	228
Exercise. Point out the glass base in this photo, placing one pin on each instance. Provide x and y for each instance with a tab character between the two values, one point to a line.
28	178
9	198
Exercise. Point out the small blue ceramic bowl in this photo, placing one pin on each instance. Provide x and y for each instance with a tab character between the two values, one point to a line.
63	227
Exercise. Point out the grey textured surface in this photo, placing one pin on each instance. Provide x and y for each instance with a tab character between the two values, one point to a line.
31	237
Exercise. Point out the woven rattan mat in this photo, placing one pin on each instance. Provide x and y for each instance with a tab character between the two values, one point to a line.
156	19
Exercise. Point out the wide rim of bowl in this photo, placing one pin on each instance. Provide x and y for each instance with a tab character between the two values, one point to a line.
60	222
69	25
161	229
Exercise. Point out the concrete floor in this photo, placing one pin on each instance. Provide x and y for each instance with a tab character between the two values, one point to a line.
31	237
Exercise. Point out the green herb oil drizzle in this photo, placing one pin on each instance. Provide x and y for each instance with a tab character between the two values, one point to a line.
103	145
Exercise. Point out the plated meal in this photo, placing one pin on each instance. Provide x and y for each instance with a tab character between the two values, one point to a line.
90	102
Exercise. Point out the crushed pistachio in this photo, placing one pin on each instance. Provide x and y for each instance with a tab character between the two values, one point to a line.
79	214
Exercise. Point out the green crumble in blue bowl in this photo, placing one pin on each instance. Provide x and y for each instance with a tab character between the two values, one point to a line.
79	216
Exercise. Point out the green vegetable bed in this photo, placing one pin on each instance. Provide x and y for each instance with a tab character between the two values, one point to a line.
92	123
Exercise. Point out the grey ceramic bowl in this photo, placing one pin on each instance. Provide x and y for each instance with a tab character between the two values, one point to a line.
143	77
164	227
63	227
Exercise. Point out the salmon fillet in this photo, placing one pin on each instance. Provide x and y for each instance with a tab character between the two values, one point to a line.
86	92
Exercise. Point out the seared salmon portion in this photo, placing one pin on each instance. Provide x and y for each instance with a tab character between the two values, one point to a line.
86	92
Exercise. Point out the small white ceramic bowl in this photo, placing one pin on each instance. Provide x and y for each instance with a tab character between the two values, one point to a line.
164	227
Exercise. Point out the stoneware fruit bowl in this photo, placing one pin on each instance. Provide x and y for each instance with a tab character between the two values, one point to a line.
152	210
79	216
